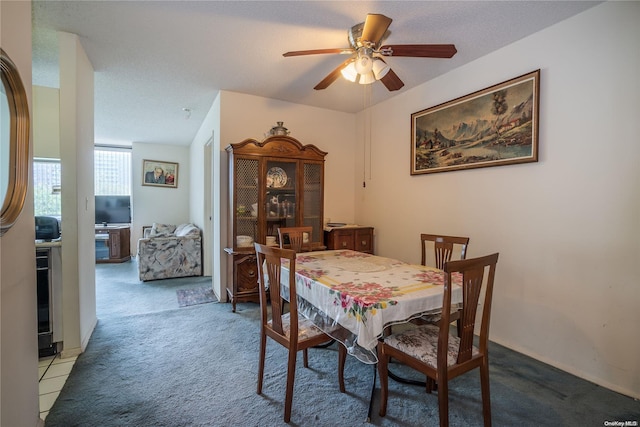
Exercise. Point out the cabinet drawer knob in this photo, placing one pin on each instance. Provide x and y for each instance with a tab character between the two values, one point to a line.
364	243
344	244
252	273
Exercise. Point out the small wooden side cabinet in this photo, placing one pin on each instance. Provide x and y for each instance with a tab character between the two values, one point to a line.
113	244
355	238
244	286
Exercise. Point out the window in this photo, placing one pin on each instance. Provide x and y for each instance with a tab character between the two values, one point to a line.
112	176
112	171
46	187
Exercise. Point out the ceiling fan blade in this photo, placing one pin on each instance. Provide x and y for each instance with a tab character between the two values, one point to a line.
374	27
319	51
392	81
419	50
332	76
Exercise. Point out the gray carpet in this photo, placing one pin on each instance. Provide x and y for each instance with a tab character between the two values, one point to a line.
119	293
197	366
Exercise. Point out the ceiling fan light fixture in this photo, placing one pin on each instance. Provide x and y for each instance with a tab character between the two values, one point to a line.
366	64
380	68
349	72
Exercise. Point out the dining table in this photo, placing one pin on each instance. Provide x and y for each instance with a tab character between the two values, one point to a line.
354	296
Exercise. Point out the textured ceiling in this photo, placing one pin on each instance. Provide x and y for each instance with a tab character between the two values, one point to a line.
154	58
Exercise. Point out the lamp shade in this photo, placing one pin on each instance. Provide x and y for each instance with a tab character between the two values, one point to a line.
367	78
364	63
380	69
349	72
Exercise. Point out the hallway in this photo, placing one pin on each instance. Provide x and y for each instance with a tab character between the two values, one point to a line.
119	293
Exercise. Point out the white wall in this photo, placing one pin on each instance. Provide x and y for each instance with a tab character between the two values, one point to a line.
18	341
566	227
151	204
46	122
78	202
199	155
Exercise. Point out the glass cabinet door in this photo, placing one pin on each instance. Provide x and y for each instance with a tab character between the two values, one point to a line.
281	201
246	202
313	201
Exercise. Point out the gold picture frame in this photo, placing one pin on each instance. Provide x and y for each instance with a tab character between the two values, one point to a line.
491	127
158	173
14	143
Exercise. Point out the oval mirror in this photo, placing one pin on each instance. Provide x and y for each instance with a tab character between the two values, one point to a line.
14	143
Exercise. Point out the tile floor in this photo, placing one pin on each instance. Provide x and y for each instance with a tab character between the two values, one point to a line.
52	374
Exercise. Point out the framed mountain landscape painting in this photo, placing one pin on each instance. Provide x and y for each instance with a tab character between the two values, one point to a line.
491	127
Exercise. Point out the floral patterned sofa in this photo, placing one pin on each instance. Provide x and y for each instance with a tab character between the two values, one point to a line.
167	251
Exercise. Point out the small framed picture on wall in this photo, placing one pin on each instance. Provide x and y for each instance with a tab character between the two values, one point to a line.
159	173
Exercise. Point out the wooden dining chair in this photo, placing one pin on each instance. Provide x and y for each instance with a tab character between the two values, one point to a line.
443	250
443	247
433	351
295	236
291	330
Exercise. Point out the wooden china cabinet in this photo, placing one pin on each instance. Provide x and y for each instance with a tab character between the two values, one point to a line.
278	182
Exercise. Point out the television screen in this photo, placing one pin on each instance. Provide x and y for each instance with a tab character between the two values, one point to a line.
113	209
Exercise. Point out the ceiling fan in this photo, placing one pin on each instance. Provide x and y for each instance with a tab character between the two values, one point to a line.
366	63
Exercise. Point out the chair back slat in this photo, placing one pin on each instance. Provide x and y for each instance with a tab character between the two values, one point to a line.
472	285
295	235
273	273
443	253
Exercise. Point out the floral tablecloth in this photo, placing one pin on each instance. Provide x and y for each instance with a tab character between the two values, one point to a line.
353	296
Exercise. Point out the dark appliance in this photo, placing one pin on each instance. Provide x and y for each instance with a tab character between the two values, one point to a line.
47	228
49	297
46	346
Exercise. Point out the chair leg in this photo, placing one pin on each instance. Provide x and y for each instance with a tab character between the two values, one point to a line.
383	373
305	358
430	385
486	399
263	348
291	376
443	402
342	357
